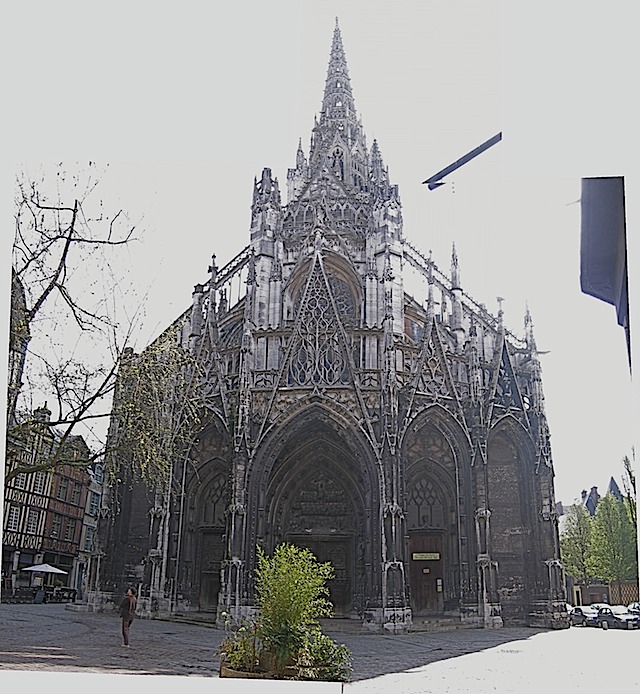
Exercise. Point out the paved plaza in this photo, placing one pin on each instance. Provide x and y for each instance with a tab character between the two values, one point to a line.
47	641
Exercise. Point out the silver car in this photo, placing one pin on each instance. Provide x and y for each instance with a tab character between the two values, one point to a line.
617	616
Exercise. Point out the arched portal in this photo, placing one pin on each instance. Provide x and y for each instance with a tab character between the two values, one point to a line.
205	499
318	495
511	523
433	505
210	541
314	508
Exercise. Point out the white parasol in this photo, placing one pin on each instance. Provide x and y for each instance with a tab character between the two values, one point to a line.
45	569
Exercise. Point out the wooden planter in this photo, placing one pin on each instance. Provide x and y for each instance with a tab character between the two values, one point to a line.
226	671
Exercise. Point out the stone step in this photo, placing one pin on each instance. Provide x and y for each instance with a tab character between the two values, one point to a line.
435	623
78	607
334	624
205	619
341	625
440	624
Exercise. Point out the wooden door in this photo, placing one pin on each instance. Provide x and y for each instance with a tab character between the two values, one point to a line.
211	555
338	552
426	573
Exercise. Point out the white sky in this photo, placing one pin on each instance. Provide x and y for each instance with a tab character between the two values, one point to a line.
188	103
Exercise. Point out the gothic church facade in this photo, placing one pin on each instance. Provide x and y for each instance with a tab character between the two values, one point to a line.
405	441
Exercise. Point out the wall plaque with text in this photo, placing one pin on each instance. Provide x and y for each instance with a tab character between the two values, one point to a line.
425	556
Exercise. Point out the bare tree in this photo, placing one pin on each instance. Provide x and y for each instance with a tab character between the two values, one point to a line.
51	240
63	326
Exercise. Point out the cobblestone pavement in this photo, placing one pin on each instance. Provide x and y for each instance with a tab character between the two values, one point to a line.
48	638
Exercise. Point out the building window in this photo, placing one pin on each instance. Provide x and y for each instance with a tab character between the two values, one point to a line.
94	504
56	526
75	494
33	520
88	540
39	482
62	489
70	530
20	481
13	518
98	472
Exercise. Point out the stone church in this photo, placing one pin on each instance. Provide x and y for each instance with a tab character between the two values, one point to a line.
402	439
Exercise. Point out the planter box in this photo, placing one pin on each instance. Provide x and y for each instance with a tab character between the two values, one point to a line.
270	685
226	671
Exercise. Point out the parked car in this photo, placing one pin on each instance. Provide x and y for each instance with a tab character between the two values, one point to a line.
634	608
597	605
617	616
583	616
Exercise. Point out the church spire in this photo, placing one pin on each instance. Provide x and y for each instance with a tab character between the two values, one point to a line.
338	142
338	97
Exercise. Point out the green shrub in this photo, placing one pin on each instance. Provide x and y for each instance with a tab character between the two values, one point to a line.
292	595
321	658
241	648
286	639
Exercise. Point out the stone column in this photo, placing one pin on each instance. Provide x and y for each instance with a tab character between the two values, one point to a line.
488	599
395	616
233	573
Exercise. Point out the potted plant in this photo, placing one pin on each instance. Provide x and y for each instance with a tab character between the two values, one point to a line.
285	641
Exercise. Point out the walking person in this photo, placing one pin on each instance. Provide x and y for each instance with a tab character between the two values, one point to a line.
128	612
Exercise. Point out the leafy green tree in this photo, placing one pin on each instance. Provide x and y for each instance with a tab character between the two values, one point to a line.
575	542
613	555
156	411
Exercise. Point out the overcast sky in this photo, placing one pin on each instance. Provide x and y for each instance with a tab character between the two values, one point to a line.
188	104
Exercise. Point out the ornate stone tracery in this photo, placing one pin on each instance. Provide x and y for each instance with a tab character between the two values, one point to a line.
318	358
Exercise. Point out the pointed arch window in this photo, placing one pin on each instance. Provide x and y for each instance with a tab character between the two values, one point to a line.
318	357
213	504
425	506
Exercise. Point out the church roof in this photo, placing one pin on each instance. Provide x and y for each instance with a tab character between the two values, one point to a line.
614	489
